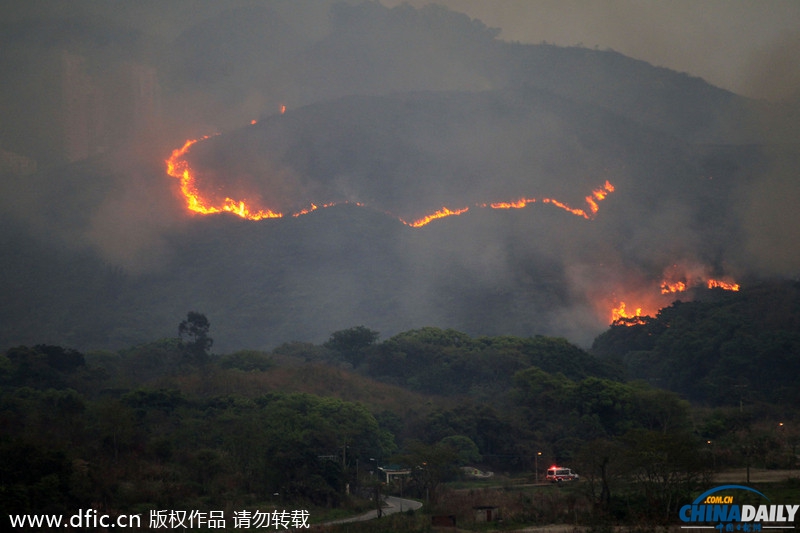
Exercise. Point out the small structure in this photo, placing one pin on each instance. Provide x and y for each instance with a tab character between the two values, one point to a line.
471	471
485	513
393	472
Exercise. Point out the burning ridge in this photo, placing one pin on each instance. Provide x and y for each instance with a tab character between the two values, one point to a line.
178	167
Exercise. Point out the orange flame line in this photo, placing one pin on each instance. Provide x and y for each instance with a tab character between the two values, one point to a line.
441	213
517	204
726	285
178	167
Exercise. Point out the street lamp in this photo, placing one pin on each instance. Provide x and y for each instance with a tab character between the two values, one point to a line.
536	465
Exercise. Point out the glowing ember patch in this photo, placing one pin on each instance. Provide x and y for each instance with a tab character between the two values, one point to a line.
518	204
313	207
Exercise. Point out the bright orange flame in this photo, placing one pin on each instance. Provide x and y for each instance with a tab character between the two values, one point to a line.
620	316
565	207
621	312
178	167
592	200
598	195
441	213
672	287
726	285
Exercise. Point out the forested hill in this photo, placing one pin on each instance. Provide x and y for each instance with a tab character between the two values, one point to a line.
724	348
448	362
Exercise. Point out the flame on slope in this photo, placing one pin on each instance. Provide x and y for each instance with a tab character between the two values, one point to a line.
592	202
178	167
621	316
669	286
720	284
441	213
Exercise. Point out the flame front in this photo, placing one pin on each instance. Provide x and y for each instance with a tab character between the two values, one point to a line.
441	213
620	315
592	200
725	285
178	167
668	287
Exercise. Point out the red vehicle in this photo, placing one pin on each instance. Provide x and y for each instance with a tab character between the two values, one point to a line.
557	474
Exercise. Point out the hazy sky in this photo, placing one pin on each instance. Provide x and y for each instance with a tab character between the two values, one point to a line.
747	46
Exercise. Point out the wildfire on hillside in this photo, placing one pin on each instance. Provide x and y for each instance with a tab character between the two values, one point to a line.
196	202
622	315
720	284
677	280
178	167
670	285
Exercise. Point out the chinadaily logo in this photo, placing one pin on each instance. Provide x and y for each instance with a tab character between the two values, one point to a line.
737	508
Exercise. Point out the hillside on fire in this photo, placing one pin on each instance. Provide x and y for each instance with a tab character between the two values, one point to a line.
294	168
348	256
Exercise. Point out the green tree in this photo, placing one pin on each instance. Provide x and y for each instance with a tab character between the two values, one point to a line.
602	465
466	450
430	465
194	337
352	343
666	469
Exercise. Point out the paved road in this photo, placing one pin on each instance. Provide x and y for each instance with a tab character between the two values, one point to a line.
392	504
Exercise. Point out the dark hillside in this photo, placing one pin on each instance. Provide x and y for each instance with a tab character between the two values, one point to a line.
675	103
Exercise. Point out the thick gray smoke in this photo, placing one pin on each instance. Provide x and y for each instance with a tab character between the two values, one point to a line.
391	111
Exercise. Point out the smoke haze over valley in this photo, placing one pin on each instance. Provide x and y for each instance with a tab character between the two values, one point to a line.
372	116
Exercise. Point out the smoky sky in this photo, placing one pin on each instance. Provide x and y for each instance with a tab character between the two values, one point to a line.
687	108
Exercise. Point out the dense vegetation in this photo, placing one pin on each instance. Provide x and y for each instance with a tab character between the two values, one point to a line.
170	424
724	349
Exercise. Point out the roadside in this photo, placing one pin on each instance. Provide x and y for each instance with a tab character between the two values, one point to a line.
391	505
757	475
